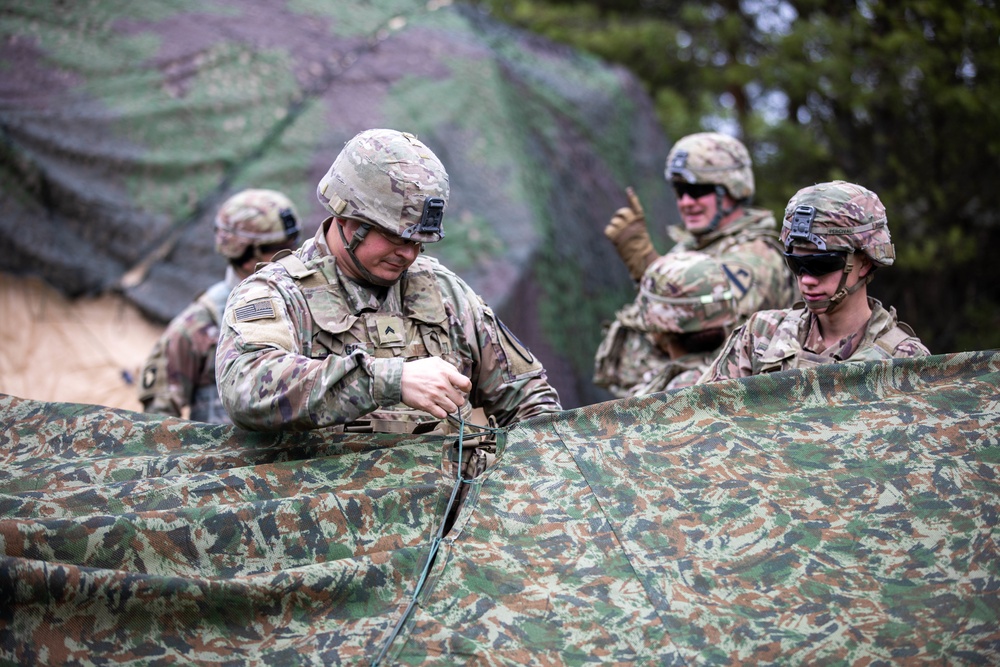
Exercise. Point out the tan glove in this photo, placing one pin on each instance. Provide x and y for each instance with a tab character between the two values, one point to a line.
627	230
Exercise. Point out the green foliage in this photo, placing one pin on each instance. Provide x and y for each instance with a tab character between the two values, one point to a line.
902	97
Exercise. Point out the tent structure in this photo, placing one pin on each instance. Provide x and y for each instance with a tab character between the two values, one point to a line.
841	515
126	124
83	350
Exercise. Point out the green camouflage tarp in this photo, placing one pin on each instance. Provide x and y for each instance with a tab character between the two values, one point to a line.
845	515
124	126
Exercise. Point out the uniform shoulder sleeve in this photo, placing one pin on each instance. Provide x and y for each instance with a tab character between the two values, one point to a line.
509	380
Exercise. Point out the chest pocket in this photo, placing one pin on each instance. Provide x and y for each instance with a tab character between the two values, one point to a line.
810	360
782	350
335	329
771	360
393	336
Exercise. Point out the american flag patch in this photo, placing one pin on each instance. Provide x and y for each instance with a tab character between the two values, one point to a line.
255	310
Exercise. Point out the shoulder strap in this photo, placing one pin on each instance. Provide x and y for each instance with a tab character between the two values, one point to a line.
421	295
298	270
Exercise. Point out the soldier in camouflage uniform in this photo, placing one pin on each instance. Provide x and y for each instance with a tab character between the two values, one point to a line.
357	329
712	177
250	227
686	305
835	235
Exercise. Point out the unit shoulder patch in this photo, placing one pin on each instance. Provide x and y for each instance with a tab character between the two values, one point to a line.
740	276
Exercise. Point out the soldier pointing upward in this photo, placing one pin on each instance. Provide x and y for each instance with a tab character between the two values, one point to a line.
712	177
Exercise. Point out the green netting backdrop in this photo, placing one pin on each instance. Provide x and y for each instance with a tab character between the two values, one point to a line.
841	515
124	125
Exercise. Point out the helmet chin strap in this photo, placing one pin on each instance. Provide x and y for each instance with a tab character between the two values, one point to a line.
842	292
359	236
720	212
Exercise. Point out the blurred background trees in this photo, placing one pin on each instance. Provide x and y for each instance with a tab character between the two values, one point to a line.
901	97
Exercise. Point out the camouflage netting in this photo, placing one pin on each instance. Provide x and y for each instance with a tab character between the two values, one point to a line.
842	515
126	124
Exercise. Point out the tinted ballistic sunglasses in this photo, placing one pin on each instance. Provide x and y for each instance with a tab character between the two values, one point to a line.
816	265
694	190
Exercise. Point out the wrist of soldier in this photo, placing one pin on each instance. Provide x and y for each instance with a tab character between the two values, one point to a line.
387	380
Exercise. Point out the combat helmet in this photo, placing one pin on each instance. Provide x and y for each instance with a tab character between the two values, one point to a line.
391	180
712	158
254	218
686	292
839	217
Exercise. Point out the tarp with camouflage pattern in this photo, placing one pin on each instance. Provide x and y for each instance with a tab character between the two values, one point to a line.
841	515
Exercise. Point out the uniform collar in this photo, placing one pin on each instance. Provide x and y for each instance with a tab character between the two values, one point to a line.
881	320
756	220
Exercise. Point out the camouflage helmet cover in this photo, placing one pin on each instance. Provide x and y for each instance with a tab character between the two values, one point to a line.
839	216
712	158
389	179
254	218
684	292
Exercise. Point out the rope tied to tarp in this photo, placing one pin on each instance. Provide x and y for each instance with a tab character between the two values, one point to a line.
476	431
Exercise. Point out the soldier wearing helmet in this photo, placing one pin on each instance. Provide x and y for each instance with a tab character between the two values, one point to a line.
250	227
835	236
686	304
359	330
712	177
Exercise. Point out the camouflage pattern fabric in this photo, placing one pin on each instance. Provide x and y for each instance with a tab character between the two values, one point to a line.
140	539
180	370
841	514
776	340
307	347
792	518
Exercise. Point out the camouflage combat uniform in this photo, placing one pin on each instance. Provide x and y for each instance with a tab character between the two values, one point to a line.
180	370
303	346
679	373
777	340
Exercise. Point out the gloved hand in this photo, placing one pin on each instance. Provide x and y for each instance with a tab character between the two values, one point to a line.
627	230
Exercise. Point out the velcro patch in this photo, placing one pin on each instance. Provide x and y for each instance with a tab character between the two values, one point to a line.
389	330
255	310
519	357
740	277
